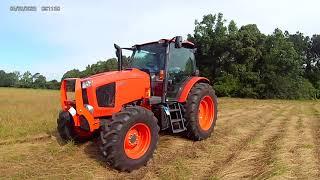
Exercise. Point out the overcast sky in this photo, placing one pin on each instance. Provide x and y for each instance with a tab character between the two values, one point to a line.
83	32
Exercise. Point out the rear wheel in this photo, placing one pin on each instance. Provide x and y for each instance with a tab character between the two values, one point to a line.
201	111
129	140
69	132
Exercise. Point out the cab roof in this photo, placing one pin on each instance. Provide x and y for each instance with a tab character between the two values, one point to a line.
185	44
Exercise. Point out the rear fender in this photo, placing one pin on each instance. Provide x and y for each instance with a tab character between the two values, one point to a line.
183	95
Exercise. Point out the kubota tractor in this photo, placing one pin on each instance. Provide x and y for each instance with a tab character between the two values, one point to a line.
160	90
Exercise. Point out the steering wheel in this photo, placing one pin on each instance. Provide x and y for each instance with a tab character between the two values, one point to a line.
175	70
151	66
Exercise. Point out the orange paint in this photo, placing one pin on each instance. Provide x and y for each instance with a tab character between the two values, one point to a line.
206	113
187	87
137	141
131	85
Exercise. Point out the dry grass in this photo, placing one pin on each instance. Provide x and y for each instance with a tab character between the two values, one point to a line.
253	139
27	112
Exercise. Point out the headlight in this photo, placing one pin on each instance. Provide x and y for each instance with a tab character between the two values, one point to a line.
89	108
86	84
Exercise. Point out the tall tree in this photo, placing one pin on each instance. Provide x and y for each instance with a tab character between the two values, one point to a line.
313	70
74	73
53	84
210	37
281	70
26	80
39	81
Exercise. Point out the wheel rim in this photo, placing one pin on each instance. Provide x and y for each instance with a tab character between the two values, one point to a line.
137	141
206	112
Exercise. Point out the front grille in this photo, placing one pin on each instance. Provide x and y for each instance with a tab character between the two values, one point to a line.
106	95
85	96
70	85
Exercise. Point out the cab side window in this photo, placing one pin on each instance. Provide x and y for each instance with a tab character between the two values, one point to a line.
181	63
181	66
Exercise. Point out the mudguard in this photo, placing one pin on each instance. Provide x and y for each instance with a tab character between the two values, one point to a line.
183	95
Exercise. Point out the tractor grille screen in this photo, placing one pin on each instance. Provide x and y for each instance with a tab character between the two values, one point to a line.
85	96
106	95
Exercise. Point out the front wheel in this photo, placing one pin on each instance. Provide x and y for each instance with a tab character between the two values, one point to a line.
129	140
69	132
201	111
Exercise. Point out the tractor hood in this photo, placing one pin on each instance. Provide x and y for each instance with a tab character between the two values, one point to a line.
104	94
114	88
114	76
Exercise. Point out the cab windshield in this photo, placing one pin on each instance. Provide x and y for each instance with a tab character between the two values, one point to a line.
149	57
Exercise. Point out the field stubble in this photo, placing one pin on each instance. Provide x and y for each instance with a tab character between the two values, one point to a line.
260	139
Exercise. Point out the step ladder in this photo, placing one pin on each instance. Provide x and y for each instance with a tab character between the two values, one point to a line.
176	118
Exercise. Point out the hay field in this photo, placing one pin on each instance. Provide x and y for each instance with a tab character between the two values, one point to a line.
253	139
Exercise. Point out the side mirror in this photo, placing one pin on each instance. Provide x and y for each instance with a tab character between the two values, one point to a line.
118	49
178	42
119	56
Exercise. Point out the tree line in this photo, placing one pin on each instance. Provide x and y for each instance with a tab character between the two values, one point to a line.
243	62
26	80
38	81
99	67
240	62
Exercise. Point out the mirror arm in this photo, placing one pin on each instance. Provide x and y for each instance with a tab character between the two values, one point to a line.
119	55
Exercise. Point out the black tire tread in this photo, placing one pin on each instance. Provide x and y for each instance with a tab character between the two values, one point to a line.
65	129
191	106
112	132
64	124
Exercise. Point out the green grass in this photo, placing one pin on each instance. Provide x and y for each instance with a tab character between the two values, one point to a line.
27	112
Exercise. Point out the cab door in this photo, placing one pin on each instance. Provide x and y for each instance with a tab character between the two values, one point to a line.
181	66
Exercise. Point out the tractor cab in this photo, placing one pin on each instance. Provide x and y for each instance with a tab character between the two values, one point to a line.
169	63
166	63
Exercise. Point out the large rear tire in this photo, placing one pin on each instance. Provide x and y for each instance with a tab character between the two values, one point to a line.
130	139
200	111
67	130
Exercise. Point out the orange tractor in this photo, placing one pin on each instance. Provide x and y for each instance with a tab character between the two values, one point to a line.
159	90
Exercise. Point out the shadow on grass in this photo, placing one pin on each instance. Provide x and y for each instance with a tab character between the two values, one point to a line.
91	147
92	150
55	135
